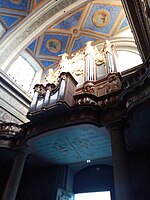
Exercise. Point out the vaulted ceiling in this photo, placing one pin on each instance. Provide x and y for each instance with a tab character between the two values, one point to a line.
94	21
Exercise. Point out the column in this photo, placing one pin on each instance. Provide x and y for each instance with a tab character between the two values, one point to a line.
14	177
120	164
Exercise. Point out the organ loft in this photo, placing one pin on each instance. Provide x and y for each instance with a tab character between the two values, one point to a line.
75	122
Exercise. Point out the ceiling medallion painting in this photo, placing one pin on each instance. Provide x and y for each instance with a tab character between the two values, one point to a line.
54	45
16	1
101	18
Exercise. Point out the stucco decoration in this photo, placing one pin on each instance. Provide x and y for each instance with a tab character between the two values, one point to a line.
7	117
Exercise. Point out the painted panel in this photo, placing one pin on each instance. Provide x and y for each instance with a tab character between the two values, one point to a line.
112	10
81	42
32	46
10	20
124	23
46	63
15	4
72	144
48	45
70	21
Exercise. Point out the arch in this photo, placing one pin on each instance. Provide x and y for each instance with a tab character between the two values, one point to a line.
29	68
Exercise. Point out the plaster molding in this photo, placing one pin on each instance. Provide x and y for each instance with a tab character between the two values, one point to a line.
32	26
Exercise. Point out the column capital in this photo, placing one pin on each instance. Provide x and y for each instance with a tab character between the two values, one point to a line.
23	151
118	125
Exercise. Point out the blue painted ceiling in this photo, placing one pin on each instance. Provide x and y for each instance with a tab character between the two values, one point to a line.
72	144
96	21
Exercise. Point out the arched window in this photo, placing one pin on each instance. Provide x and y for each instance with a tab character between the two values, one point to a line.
128	59
25	71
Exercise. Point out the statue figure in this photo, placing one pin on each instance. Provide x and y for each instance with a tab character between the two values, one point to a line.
64	63
89	88
113	84
77	63
52	76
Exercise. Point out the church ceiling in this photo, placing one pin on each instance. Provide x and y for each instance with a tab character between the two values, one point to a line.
96	21
63	146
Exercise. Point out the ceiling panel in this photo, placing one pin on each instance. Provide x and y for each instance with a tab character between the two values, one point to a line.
72	144
105	17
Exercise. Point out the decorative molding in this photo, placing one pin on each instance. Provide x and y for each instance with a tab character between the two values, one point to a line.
7	117
138	97
7	97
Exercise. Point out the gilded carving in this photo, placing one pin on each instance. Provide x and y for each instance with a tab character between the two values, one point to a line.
40	89
113	84
89	88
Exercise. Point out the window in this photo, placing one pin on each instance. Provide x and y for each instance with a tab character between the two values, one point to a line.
127	60
26	72
22	73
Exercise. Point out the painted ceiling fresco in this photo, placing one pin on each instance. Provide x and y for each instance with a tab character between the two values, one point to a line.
96	21
86	142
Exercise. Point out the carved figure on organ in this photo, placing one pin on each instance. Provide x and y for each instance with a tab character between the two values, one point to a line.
52	77
113	84
77	63
64	63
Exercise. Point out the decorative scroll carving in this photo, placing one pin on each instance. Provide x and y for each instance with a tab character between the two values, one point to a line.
40	89
88	87
10	129
91	99
11	135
